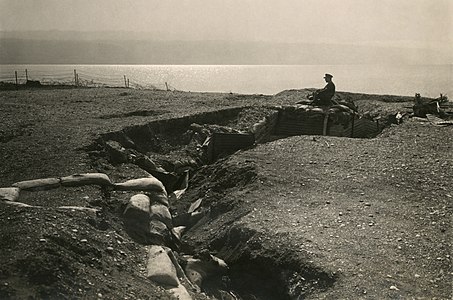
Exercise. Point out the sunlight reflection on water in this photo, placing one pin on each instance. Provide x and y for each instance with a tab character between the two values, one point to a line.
428	80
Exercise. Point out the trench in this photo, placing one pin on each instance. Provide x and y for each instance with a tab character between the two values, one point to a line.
194	147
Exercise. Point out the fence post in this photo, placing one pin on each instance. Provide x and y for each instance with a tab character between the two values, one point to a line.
17	82
128	83
166	85
26	75
125	82
75	77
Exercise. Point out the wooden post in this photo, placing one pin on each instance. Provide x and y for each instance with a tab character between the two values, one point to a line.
166	85
125	82
17	82
352	126
324	127
128	83
75	77
26	75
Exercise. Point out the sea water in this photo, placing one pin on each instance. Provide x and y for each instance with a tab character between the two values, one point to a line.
428	80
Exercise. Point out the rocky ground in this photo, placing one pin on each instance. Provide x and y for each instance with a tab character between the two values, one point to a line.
300	217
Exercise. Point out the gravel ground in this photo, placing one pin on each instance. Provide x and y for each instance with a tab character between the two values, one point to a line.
338	218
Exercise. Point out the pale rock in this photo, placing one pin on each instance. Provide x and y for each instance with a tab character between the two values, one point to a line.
178	231
195	205
10	193
38	184
160	268
180	292
86	179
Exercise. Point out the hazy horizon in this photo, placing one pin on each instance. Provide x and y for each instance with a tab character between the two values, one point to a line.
387	31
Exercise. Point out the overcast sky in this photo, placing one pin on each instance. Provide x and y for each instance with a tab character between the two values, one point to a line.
426	23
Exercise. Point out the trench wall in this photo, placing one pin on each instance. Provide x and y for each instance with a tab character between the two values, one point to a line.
265	128
286	121
141	137
291	122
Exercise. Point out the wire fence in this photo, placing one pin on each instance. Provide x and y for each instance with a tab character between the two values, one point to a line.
77	78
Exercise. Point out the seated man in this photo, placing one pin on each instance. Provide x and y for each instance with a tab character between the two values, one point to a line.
324	96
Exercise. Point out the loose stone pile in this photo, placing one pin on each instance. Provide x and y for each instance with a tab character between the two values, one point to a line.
148	220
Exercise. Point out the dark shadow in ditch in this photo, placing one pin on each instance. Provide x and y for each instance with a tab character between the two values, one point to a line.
256	273
138	113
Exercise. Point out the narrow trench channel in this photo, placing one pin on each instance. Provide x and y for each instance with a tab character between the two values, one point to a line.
176	149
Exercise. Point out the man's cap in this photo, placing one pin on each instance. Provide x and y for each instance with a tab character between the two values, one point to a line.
328	75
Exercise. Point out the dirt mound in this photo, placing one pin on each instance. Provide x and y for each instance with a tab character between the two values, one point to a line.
305	216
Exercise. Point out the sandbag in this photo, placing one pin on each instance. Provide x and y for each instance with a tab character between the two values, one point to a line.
9	193
160	268
180	293
315	110
138	207
158	197
86	179
158	233
141	184
38	184
18	204
136	218
342	108
198	269
161	213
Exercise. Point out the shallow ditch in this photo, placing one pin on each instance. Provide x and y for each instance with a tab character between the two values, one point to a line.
195	146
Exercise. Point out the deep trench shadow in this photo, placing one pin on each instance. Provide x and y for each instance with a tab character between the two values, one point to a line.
255	273
137	113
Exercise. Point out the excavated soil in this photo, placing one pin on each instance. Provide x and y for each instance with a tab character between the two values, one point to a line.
303	217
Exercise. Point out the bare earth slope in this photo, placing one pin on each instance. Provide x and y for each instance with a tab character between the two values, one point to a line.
309	216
